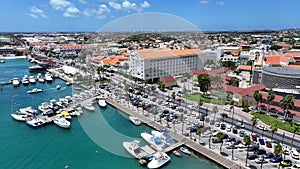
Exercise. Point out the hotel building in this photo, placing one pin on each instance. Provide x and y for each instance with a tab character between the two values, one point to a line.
154	64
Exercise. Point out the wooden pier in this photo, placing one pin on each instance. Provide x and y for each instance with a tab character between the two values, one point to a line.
182	140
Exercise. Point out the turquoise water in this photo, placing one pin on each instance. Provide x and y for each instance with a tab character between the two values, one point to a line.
94	140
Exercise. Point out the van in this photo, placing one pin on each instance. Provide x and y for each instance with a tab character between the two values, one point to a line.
295	154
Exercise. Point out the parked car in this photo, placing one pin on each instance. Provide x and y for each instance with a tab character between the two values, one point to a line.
295	154
215	140
227	109
252	156
277	159
224	115
242	133
261	141
234	130
261	127
268	144
252	148
260	152
268	155
241	125
260	160
223	126
254	137
286	163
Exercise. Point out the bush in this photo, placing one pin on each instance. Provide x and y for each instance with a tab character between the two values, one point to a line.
247	110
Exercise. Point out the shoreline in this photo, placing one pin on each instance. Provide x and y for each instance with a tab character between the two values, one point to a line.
209	154
12	57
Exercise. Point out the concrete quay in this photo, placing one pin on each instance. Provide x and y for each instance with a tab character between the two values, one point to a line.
61	76
210	154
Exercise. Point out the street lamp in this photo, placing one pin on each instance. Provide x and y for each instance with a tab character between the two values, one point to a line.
232	107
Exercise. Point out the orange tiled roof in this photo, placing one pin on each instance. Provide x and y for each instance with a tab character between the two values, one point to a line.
276	59
161	53
37	43
294	66
168	79
111	60
244	67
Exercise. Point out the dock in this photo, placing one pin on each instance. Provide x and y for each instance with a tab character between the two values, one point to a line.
61	76
182	140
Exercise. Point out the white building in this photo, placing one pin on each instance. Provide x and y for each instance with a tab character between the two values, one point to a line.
153	64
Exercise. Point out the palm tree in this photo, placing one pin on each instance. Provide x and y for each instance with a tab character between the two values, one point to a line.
173	96
287	103
220	137
296	129
254	121
181	119
257	97
203	82
215	110
199	132
278	150
154	112
200	103
168	118
273	129
247	141
100	71
270	98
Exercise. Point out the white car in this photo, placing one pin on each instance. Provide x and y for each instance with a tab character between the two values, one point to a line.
260	160
295	154
227	109
261	127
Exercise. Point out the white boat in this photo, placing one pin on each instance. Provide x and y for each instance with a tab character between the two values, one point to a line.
35	122
68	83
44	106
20	117
159	159
102	103
32	79
48	77
185	150
164	135
15	82
27	111
155	141
25	80
41	80
58	87
35	90
62	122
134	149
89	107
135	120
2	61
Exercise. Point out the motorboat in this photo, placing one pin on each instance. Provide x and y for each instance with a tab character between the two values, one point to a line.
40	78
15	82
164	135
35	68
25	80
68	83
66	115
2	61
20	117
102	103
35	122
44	106
155	141
159	159
177	153
134	149
27	111
32	80
185	150
48	77
35	90
89	107
62	122
58	87
135	120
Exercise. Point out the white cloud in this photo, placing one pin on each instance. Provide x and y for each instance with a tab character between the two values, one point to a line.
145	4
60	4
71	12
83	1
220	3
129	6
102	12
115	5
204	1
36	12
33	15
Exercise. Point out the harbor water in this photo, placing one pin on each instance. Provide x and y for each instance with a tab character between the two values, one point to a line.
94	140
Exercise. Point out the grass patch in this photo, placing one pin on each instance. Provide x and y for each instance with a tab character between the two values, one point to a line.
270	120
196	96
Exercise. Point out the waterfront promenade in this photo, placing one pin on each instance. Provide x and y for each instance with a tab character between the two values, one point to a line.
210	154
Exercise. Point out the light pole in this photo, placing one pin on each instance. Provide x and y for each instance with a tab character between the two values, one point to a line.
232	107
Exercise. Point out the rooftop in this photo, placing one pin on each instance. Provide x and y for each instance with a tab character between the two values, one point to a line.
166	52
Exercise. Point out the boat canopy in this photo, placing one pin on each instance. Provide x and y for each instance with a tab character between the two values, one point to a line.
64	113
157	139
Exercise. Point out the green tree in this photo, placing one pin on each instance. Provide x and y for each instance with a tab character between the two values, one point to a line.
234	82
287	103
254	121
215	111
270	98
220	137
204	82
273	129
168	119
181	119
173	96
257	97
247	141
198	133
278	150
153	87
296	129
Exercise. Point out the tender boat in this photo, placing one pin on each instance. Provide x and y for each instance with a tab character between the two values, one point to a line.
35	90
32	80
48	77
35	122
185	150
177	153
62	122
27	111
134	149
20	117
102	103
15	82
2	61
68	83
58	87
25	80
159	159
89	107
135	120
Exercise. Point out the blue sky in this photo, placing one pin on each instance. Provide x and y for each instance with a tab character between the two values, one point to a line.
91	15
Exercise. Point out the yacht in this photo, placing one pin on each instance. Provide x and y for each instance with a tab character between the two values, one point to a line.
44	106
32	80
89	107
62	122
20	117
134	149
2	61
15	82
135	120
155	141
185	150
40	78
35	90
25	80
102	103
159	159
27	111
48	77
58	87
35	122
